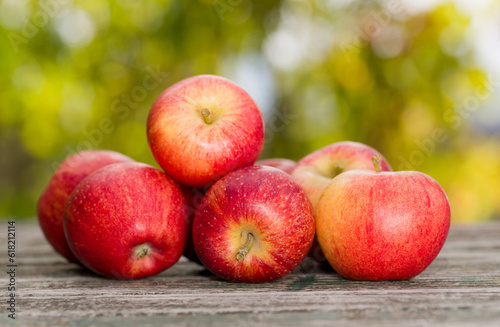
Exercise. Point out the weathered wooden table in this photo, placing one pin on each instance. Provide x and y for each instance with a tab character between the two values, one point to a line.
460	288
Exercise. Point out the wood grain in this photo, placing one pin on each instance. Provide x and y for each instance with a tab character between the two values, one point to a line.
460	288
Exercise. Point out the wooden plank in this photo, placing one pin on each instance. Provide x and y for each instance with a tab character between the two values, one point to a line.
460	288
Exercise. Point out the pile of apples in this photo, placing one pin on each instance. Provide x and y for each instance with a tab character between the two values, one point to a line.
244	220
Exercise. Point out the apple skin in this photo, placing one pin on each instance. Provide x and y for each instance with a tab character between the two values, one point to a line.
315	171
52	201
265	202
127	221
197	150
382	225
193	198
286	165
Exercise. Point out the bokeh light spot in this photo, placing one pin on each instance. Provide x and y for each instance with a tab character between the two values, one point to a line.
75	27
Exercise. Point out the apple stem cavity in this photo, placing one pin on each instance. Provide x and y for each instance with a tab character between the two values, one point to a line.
206	116
243	251
377	163
337	170
142	250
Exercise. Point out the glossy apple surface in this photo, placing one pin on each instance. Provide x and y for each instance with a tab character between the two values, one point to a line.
204	127
127	221
382	225
254	225
53	200
315	171
286	165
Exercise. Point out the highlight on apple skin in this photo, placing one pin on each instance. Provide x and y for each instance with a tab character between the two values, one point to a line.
315	171
204	127
127	221
374	225
52	201
254	225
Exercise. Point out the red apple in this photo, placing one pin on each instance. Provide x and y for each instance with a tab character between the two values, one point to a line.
315	171
127	221
254	225
53	199
193	198
286	165
204	127
375	225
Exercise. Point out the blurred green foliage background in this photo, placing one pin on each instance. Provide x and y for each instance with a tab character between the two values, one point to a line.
419	83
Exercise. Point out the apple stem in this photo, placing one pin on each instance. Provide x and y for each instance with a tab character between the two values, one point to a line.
142	250
377	163
206	115
243	251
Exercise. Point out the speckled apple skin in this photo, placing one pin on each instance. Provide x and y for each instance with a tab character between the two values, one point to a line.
52	201
313	172
193	152
261	200
286	165
120	207
382	226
